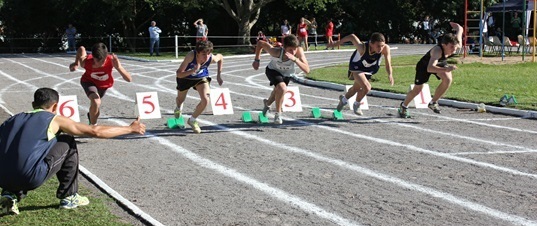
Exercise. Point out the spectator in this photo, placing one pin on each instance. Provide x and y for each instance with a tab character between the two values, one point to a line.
285	29
329	33
201	30
425	30
261	36
33	151
302	32
154	38
70	32
313	31
490	24
515	25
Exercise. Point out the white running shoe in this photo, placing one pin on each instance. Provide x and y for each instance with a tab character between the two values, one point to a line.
278	119
357	109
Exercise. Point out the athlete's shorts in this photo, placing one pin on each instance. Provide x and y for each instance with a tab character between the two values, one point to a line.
368	75
276	77
90	88
422	76
185	84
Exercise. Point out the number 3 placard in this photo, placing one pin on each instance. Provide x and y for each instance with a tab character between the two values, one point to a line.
221	101
68	107
422	99
291	101
147	105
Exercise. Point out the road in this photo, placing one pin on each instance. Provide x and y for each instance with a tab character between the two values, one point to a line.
457	168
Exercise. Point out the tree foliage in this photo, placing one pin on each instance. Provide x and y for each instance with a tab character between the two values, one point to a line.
44	22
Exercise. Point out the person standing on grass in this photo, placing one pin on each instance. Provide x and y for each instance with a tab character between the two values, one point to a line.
33	149
279	70
154	38
329	32
302	32
313	31
98	75
194	73
70	32
364	63
435	62
201	30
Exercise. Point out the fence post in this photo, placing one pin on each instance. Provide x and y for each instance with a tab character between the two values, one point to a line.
176	47
338	39
110	43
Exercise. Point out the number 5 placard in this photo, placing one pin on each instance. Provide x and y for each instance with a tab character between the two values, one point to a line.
291	101
221	101
364	105
68	107
147	105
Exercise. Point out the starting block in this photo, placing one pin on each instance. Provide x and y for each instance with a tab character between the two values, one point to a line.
316	113
176	123
508	100
247	117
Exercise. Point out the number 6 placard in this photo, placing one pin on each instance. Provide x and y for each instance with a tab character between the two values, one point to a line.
68	107
221	101
147	105
291	101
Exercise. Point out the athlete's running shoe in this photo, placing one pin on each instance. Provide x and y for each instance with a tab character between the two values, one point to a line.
73	201
278	119
403	111
195	127
266	108
9	205
357	109
434	106
177	112
341	104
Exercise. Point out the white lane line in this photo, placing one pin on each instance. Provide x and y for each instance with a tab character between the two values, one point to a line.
445	196
478	123
267	189
491	152
98	181
415	187
137	211
387	178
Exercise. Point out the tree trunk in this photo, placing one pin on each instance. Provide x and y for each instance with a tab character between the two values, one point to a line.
246	13
245	27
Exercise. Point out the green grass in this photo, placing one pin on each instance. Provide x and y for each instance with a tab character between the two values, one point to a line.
41	208
472	82
225	51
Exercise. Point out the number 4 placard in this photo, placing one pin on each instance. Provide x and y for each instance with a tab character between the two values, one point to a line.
221	101
291	101
422	99
68	107
147	105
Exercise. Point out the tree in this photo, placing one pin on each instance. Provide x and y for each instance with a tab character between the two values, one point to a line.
245	13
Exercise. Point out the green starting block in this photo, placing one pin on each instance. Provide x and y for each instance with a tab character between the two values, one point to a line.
262	118
316	112
176	123
247	117
512	101
337	115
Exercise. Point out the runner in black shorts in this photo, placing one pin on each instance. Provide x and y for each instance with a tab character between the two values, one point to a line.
364	62
435	62
194	73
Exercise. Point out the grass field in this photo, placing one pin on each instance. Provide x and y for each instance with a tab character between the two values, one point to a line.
472	82
41	208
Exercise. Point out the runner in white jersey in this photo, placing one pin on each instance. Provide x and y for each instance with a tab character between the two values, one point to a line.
279	70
